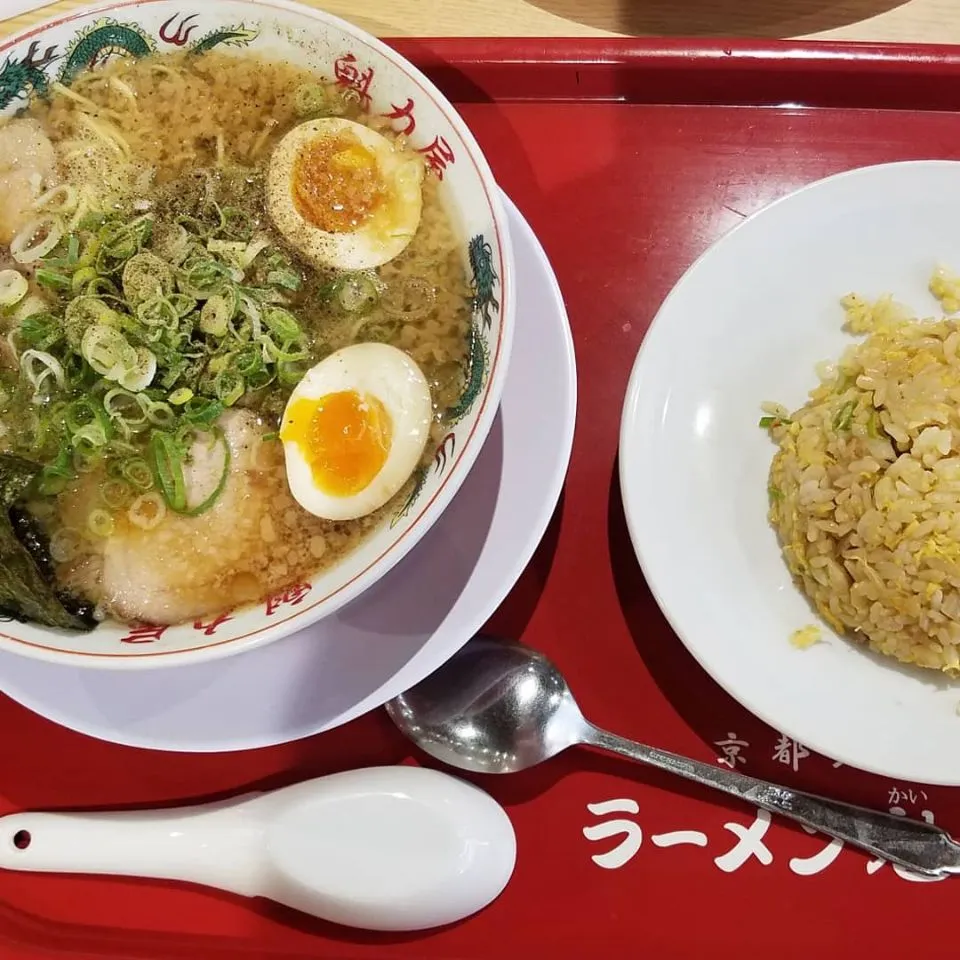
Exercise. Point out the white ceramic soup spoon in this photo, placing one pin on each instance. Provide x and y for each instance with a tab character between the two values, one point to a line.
384	848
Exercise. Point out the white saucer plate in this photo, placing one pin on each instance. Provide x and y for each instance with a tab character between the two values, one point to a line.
747	323
449	586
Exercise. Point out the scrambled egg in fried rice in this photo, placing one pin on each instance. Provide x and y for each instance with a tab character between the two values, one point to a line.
864	488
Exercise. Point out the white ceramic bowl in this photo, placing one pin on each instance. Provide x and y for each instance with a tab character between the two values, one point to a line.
747	323
335	49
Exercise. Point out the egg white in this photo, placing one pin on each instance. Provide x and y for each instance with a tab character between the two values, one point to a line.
398	383
379	239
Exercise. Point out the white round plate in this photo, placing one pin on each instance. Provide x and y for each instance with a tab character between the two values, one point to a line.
747	323
406	625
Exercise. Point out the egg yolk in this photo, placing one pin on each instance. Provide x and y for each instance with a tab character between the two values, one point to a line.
336	183
343	436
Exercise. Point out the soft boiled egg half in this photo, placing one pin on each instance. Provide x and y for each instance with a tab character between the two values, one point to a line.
344	195
354	430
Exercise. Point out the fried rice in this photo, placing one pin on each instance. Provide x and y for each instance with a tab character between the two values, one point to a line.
864	489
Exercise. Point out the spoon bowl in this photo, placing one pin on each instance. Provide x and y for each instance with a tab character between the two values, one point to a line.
496	707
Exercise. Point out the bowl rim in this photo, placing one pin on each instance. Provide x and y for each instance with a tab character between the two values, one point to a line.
431	510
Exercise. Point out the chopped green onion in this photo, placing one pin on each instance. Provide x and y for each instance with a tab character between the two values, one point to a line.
158	311
215	316
39	367
202	277
90	438
40	330
218	363
146	277
13	287
68	258
82	313
107	351
172	242
310	98
774	493
237	222
152	331
32	304
118	243
88	256
86	458
100	523
128	237
166	467
182	304
318	100
115	494
25	247
290	373
125	409
210	222
231	249
160	414
775	420
137	473
53	280
140	375
253	249
122	449
85	411
176	368
202	410
281	323
92	220
844	415
64	545
288	352
287	279
358	292
246	361
252	319
60	199
54	476
194	510
147	511
229	387
259	379
82	277
101	287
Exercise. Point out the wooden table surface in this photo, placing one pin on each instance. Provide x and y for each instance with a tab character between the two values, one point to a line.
871	20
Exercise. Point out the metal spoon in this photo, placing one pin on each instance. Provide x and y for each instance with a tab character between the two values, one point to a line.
498	707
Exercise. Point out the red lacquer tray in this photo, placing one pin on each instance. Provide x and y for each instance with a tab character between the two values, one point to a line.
628	158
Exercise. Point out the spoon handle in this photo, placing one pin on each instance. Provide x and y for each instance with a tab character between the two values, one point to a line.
215	845
918	846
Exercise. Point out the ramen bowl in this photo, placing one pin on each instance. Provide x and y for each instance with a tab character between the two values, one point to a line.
393	90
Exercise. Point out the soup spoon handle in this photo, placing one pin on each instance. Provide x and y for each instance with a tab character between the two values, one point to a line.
216	844
921	847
